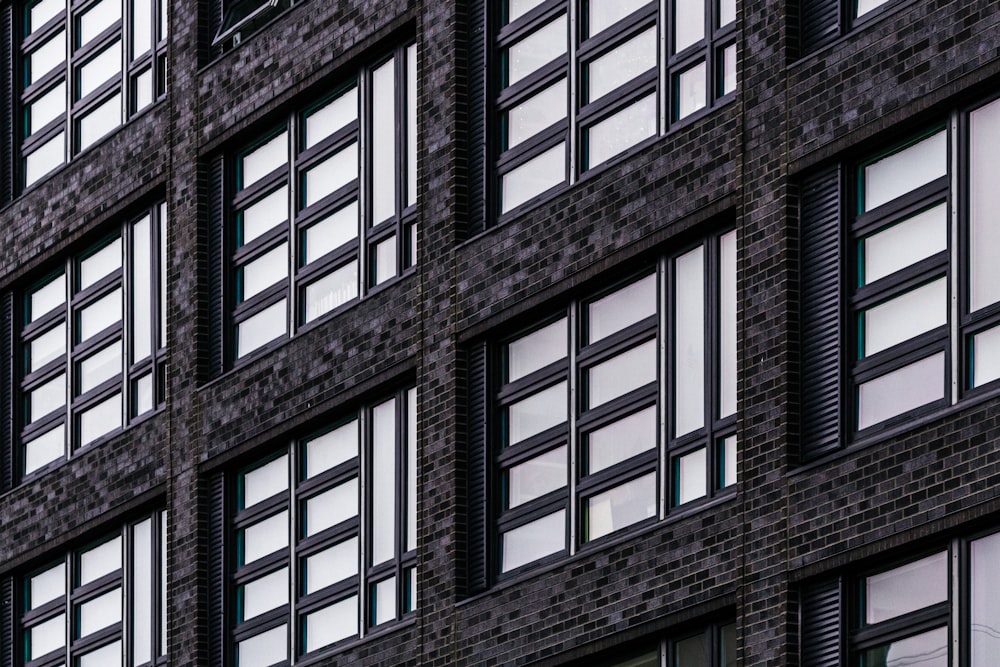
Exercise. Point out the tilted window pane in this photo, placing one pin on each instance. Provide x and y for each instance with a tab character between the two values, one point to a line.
264	537
691	652
264	594
621	440
330	624
46	347
99	561
536	413
384	601
518	8
265	649
47	108
905	170
264	159
692	89
621	64
383	150
689	23
331	232
331	566
46	448
331	291
691	476
904	243
46	586
331	174
621	308
46	398
104	66
900	390
95	20
331	117
905	316
41	12
689	342
329	508
865	6
984	202
602	14
533	541
985	590
536	477
727	324
727	12
621	131
536	113
100	315
383	487
329	450
621	374
141	606
100	366
536	50
906	588
46	637
262	328
100	612
47	297
262	216
929	649
264	482
50	54
99	122
534	177
986	356
103	262
536	350
268	269
621	506
44	159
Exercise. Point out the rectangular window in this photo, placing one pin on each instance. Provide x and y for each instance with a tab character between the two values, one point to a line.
619	409
710	646
325	534
241	18
87	66
582	81
324	207
93	343
822	22
99	605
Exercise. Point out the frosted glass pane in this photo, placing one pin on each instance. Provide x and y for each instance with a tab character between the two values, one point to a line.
621	506
331	565
905	316
99	561
98	18
331	291
331	232
929	649
142	592
689	23
621	64
905	243
385	260
101	419
865	6
268	269
99	122
142	27
330	624
106	656
104	66
100	315
264	482
535	114
262	160
50	54
383	147
533	541
534	177
142	289
331	449
985	589
537	350
621	131
905	170
46	347
44	159
385	601
984	203
518	8
536	413
46	586
100	612
264	537
42	11
536	50
331	174
103	262
621	374
689	342
265	649
986	356
262	328
47	297
46	637
621	308
536	477
100	366
47	397
906	588
727	324
692	476
727	12
46	448
728	474
383	486
47	108
264	594
262	216
904	389
692	90
331	507
333	116
604	13
621	440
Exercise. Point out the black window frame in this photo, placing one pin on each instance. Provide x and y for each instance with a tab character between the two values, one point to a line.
663	652
822	22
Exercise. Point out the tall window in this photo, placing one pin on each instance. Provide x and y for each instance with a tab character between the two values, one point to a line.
581	81
86	67
324	207
325	534
93	342
619	409
100	606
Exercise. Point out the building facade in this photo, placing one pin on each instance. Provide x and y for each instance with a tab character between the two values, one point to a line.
527	332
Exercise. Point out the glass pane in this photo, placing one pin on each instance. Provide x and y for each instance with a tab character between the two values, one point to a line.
46	448
47	297
331	566
689	342
621	131
331	291
103	66
536	413
329	450
536	477
332	116
263	272
142	289
621	64
728	657
383	149
929	649
100	420
621	440
986	357
42	11
262	160
44	159
99	561
142	27
330	624
906	588
384	602
534	177
143	394
265	649
383	482
142	592
106	656
99	122
536	113
692	88
100	315
621	506
100	612
411	593
385	260
98	18
689	23
411	470
264	594
103	365
143	92
46	637
533	541
537	350
691	652
47	397
985	590
47	108
518	8
331	232
411	125
105	261
263	482
621	374
46	586
536	50
905	243
650	659
331	174
50	54
727	324
984	202
331	507
262	328
900	390
865	6
162	300
729	69
262	216
691	476
264	537
905	316
604	13
727	454
621	308
46	347
727	12
905	170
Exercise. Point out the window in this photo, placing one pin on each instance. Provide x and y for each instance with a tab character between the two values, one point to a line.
324	207
92	342
920	284
822	22
618	409
325	534
243	17
86	67
711	646
914	612
103	605
565	104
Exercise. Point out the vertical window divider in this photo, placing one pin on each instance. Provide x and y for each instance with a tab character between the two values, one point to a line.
70	561
127	39
70	85
291	302
663	363
128	266
364	171
574	334
364	434
574	90
69	437
954	241
713	387
661	64
293	560
399	166
957	602
128	591
399	481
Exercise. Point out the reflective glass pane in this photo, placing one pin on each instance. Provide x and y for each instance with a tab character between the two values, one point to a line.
100	315
729	69
689	342
604	13
103	365
268	269
47	397
46	347
411	125
536	50
46	586
985	590
621	374
536	477
385	260
97	19
50	54
537	350
728	653
727	324
865	6
262	216
650	659
518	8
264	481
331	566
330	624
905	170
44	159
47	297
106	656
691	476
331	507
905	316
727	454
264	537
900	390
265	649
142	289
101	419
262	160
533	541
332	448
40	13
621	440
264	594
692	89
984	202
100	68
99	122
141	605
905	243
383	148
47	108
143	394
383	482
333	116
142	27
535	114
384	601
986	356
143	91
929	649
46	637
689	23
906	588
411	599
46	448
105	261
331	291
621	64
621	308
621	131
331	232
260	329
536	413
331	174
727	12
100	612
411	470
534	177
621	506
691	652
99	561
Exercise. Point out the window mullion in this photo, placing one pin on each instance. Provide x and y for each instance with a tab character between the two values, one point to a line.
293	523
128	266
364	433
69	570
574	333
954	240
128	592
68	118
957	603
293	240
574	85
663	365
661	65
711	361
364	179
70	330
